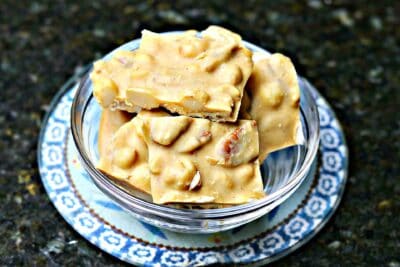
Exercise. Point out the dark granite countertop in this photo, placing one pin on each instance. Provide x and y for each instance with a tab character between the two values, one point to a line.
350	50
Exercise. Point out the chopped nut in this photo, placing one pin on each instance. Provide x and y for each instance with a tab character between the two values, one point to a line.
165	132
272	94
180	174
194	48
195	101
205	199
196	182
211	62
105	90
230	41
143	59
155	164
125	157
230	90
237	147
197	135
229	144
190	144
234	74
224	105
141	97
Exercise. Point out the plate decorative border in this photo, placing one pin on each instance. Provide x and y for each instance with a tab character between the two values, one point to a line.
296	229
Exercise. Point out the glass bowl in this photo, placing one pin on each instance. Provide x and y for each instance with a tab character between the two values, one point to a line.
283	171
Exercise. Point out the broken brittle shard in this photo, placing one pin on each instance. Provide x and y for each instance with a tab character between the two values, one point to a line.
179	159
208	162
199	75
273	102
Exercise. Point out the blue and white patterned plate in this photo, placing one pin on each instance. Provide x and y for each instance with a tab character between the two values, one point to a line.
105	224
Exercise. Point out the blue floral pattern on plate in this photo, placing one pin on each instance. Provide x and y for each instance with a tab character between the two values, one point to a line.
105	224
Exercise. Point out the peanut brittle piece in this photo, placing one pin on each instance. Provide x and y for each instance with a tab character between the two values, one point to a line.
188	74
273	101
208	162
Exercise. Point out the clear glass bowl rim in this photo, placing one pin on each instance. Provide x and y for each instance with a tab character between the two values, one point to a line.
171	212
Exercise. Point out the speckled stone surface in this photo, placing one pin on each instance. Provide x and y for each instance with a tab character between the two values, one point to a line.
349	51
